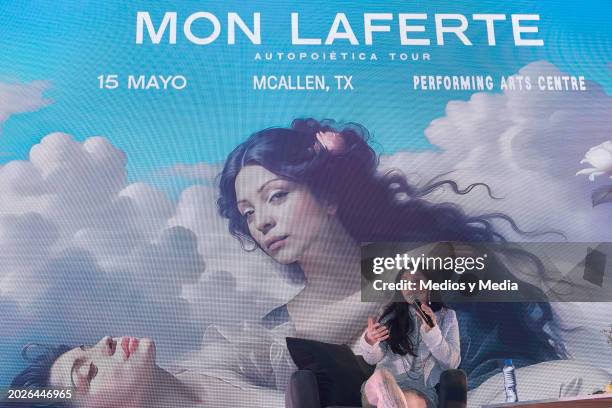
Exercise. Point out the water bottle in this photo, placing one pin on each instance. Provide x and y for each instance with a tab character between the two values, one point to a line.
510	381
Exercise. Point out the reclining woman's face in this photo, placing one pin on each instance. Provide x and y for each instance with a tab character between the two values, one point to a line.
283	216
116	372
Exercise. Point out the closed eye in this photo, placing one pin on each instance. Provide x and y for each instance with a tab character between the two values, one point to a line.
76	368
93	371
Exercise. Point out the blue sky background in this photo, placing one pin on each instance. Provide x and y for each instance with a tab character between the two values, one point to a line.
70	44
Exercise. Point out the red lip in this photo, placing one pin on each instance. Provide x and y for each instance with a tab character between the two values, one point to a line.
125	345
134	345
271	243
129	346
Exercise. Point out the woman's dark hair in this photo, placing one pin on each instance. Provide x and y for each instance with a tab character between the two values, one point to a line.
376	207
36	376
401	325
400	322
371	206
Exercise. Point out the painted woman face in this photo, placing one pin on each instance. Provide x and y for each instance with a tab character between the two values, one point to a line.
283	216
116	372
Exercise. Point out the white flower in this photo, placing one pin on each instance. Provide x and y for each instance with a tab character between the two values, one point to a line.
600	157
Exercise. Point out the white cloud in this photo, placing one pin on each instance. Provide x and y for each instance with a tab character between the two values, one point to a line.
20	98
527	146
84	253
197	211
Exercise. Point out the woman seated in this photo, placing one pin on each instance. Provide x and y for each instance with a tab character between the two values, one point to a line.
410	353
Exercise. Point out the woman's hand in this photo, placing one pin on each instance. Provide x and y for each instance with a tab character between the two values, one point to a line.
376	332
427	310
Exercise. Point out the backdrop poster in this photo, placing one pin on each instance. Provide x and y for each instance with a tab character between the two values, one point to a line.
184	186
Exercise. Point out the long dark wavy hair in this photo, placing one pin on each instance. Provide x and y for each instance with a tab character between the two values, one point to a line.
401	325
36	376
384	207
397	315
371	206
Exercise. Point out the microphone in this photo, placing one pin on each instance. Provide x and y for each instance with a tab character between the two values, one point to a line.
413	300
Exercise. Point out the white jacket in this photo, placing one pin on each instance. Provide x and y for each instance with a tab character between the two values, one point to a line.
442	343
